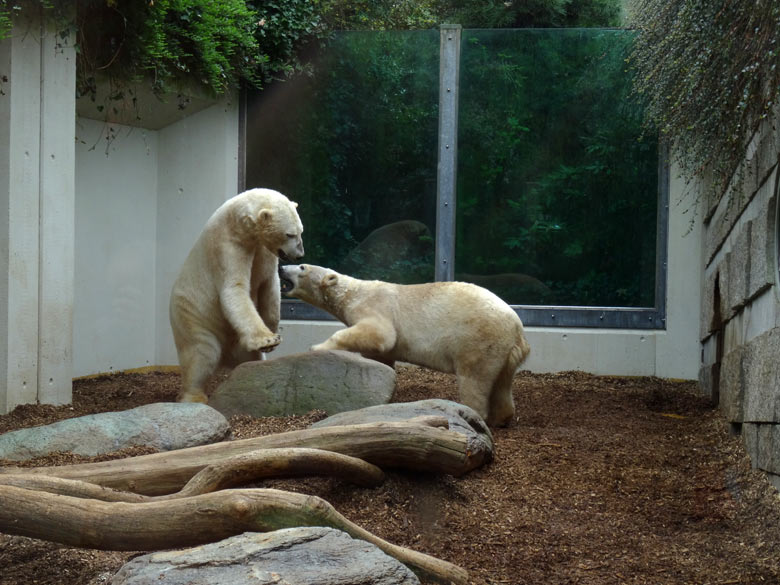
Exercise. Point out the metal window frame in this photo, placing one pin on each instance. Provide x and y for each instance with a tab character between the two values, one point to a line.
531	315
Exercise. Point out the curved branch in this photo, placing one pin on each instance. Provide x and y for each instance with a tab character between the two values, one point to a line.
277	463
188	522
231	472
408	445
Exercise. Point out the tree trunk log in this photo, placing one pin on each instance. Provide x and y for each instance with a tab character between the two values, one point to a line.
409	445
232	472
242	469
188	522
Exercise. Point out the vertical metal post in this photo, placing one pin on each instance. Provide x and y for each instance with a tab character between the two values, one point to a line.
446	180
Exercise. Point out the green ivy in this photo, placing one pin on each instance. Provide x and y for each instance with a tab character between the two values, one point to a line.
710	70
216	45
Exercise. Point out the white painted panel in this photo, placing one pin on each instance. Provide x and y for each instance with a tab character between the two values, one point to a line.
198	171
116	207
599	351
20	55
678	349
58	108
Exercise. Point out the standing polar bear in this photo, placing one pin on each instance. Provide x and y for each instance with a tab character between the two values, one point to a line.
225	303
453	327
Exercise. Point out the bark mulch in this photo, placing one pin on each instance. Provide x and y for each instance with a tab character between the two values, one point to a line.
599	481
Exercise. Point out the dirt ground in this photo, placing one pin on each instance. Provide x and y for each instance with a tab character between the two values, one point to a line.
599	481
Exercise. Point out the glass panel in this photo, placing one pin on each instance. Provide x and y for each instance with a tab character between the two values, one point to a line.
557	188
353	141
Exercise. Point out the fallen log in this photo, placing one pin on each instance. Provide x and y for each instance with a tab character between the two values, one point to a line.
188	521
410	445
235	471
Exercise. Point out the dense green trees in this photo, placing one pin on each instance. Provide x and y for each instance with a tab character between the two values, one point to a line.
557	187
222	44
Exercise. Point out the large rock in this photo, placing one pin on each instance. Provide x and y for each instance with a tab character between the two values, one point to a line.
396	252
293	556
163	425
333	381
462	419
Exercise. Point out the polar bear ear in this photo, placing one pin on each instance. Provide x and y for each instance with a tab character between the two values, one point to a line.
330	280
265	215
294	204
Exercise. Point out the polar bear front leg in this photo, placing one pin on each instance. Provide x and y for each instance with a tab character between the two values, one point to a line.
368	336
240	311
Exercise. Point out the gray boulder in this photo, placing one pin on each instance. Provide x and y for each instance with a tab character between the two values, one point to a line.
163	425
293	556
333	381
462	419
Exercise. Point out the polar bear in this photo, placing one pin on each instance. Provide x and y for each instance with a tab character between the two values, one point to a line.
453	327
225	303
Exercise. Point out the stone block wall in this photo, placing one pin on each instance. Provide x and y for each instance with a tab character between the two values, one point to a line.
740	312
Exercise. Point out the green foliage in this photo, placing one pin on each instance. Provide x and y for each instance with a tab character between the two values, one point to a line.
222	44
532	13
214	45
359	145
710	70
380	14
167	41
553	181
556	191
414	14
283	27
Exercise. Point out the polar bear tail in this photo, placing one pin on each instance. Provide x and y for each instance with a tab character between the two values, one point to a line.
517	355
521	349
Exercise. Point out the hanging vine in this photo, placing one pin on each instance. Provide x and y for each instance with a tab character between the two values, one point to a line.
710	72
167	43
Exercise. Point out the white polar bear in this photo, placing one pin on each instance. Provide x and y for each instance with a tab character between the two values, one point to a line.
453	327
225	303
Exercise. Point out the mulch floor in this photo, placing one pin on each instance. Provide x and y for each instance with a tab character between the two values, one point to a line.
598	481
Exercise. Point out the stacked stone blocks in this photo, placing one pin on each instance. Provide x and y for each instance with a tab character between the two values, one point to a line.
741	260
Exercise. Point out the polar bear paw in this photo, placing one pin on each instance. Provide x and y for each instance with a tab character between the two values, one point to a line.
263	343
193	396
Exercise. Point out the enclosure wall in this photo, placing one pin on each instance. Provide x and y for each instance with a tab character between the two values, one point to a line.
198	170
36	215
116	198
142	199
740	316
670	353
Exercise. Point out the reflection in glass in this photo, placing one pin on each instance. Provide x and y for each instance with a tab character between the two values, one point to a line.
557	187
353	141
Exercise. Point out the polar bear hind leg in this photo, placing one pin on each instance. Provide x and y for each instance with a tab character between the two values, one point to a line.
198	361
476	373
502	404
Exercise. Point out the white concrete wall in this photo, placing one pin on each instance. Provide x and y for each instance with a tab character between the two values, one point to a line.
198	171
142	199
37	106
671	353
116	233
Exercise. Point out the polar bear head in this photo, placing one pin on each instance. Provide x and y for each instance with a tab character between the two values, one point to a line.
272	219
310	283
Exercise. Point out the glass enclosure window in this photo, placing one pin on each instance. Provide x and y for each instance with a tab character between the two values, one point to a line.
557	187
353	141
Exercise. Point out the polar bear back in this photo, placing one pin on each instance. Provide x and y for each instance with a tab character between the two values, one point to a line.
439	324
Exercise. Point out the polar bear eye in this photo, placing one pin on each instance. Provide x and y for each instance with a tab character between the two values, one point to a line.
291	236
